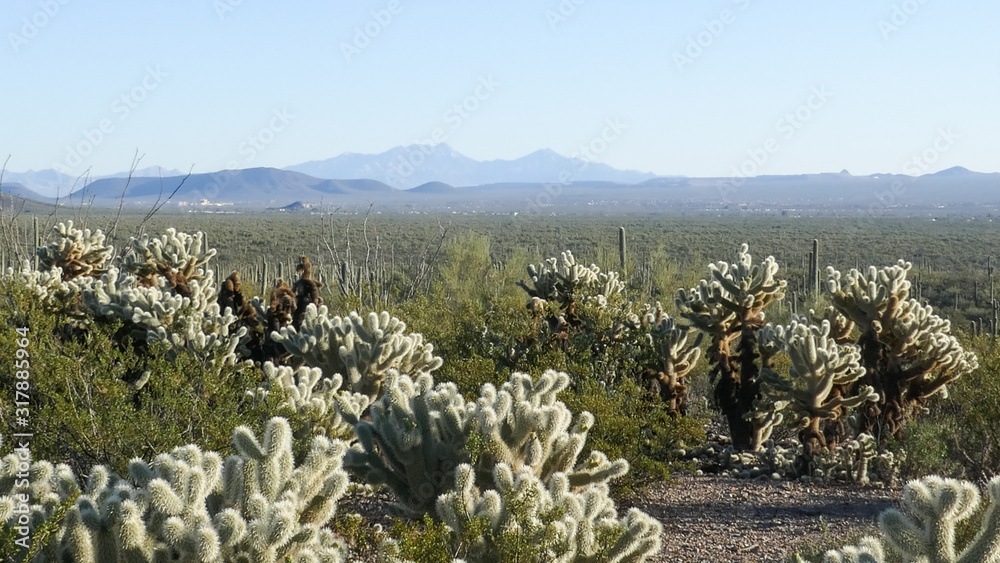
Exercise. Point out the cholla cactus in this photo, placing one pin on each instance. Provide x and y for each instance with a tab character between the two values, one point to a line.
308	393
817	389
524	426
177	257
730	305
363	350
936	507
678	356
191	506
75	252
420	432
27	503
550	521
868	550
414	441
908	351
566	282
66	266
158	313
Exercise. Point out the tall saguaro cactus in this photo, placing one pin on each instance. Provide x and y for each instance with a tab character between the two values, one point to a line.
729	306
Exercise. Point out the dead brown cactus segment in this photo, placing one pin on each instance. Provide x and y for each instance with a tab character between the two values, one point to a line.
306	290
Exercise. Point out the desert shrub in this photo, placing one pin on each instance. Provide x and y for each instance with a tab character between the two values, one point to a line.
959	436
94	401
636	426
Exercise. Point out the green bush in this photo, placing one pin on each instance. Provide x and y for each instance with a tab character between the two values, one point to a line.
94	401
634	425
960	436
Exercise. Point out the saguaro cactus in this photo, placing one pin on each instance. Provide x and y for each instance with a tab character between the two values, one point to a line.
730	306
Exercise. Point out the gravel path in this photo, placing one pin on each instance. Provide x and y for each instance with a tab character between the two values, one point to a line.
722	519
716	519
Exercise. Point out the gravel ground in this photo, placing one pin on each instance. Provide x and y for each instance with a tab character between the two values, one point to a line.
722	519
716	519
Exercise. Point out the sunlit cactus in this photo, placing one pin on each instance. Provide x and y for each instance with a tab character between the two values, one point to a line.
415	439
177	257
564	281
551	522
76	252
928	526
191	506
314	397
907	350
678	354
819	388
362	349
420	432
729	306
525	426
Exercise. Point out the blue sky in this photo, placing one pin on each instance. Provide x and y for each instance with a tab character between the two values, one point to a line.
695	88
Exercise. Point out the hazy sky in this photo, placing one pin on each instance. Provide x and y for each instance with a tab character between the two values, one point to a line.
675	87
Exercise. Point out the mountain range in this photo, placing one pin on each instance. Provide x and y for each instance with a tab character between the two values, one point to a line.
543	181
415	165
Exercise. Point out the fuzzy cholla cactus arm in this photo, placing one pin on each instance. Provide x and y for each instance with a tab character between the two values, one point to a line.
926	531
908	351
362	349
730	305
566	282
821	374
190	506
524	426
871	296
177	256
414	441
76	252
308	393
678	355
29	503
549	522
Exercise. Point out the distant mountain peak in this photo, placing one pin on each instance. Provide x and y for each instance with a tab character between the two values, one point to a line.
953	171
410	166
